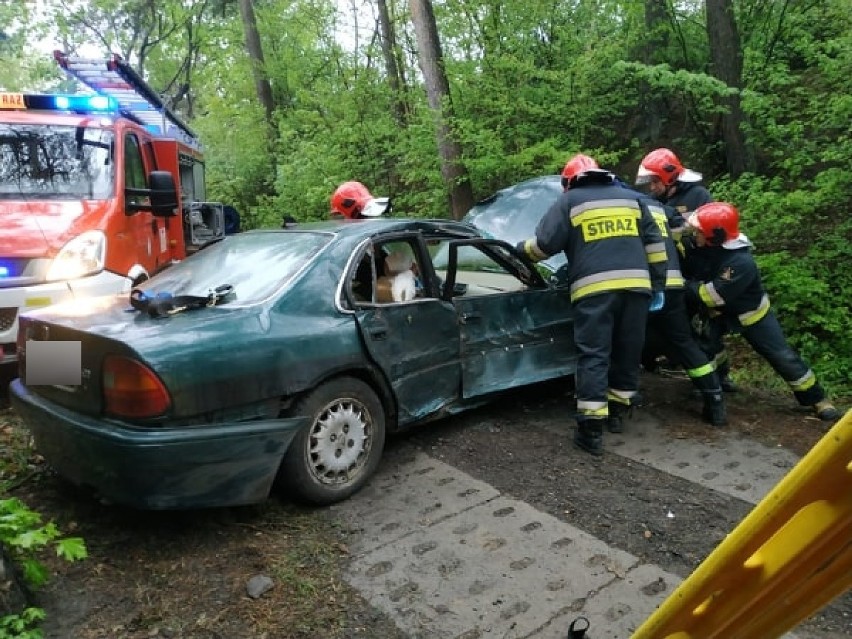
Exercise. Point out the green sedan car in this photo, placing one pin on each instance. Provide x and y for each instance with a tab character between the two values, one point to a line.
283	359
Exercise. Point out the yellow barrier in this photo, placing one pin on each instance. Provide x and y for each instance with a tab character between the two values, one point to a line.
789	557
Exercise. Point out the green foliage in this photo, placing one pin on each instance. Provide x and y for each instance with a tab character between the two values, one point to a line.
24	536
22	626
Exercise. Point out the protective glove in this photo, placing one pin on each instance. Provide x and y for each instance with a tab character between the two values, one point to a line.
521	247
657	301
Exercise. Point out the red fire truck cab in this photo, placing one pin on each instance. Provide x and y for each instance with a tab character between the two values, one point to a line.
97	191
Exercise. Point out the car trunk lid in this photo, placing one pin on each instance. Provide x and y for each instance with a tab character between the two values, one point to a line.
87	396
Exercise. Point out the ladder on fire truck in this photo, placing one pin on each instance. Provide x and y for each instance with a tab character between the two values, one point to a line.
137	101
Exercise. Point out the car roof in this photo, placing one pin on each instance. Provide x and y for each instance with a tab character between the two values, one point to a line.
385	225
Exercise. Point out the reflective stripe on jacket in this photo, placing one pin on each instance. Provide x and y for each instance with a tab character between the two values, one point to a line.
674	278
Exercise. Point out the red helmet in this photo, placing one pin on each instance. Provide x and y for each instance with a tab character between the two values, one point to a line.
718	221
349	199
661	163
576	168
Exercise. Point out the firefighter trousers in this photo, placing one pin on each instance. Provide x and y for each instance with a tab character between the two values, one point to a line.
609	330
766	337
672	323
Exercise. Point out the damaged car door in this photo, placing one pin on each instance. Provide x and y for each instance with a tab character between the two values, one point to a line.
515	328
414	341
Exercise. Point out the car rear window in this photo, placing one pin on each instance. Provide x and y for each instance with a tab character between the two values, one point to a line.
256	264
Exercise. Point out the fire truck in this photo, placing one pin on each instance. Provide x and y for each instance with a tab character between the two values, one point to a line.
98	191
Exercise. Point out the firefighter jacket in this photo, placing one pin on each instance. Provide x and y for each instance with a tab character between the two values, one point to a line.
687	197
671	225
610	239
733	287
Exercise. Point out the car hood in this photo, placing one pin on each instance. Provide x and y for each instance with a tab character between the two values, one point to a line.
513	213
39	228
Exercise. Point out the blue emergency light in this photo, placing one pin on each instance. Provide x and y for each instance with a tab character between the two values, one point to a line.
85	103
73	103
4	271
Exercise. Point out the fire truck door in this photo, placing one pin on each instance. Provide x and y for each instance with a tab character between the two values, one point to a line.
159	225
140	224
151	232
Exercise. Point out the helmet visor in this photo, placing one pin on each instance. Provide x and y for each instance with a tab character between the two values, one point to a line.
689	175
376	207
644	176
692	221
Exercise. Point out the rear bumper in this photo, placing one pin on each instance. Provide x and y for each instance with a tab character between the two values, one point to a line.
17	300
217	465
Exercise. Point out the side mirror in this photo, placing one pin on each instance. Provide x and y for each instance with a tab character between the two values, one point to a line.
162	197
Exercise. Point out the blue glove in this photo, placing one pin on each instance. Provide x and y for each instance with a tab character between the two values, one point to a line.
657	301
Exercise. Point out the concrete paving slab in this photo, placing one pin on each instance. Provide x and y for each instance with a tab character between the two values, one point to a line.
729	464
408	493
612	611
464	562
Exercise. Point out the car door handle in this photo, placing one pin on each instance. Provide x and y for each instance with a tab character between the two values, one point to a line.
378	333
467	318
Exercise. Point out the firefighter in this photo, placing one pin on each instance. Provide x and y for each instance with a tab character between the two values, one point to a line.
617	265
662	173
672	321
734	291
352	200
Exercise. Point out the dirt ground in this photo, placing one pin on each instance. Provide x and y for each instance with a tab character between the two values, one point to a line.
184	574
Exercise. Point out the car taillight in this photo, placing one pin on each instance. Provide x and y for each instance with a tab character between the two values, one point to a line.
131	389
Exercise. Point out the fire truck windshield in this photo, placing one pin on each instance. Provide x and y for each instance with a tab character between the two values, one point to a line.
54	162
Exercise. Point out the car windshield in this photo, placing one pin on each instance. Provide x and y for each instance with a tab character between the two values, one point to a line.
55	162
256	264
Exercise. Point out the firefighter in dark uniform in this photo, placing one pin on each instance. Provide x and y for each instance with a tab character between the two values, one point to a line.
672	321
734	291
617	264
675	186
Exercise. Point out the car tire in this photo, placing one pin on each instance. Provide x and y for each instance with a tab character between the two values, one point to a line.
334	455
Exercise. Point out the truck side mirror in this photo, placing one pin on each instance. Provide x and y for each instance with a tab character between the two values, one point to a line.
164	199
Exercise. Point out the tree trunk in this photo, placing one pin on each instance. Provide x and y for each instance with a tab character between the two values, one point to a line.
727	58
431	61
396	79
258	65
654	108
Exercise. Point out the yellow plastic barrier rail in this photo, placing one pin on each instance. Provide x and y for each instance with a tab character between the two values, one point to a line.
789	557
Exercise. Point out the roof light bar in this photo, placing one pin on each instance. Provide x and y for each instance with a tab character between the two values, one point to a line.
74	103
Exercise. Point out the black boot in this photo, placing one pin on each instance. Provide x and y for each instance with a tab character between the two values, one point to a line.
589	436
714	411
615	419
